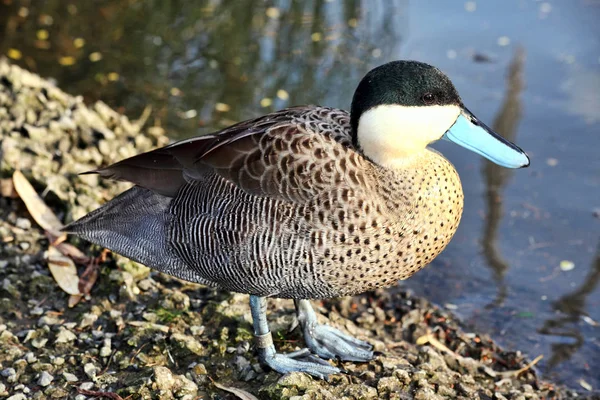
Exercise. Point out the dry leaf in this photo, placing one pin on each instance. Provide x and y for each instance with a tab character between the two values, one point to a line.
242	394
71	251
88	278
40	212
63	270
74	299
7	189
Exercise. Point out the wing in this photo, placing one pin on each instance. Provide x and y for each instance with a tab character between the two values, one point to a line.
292	155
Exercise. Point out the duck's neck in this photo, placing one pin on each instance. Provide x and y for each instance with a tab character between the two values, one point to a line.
394	136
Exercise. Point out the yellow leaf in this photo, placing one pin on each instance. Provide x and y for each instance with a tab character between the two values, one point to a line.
95	56
40	212
79	42
273	12
282	94
14	54
222	107
42	34
66	61
63	270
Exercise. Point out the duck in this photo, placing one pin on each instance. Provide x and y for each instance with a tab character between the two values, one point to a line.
308	202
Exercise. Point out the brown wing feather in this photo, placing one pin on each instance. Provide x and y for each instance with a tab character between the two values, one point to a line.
291	155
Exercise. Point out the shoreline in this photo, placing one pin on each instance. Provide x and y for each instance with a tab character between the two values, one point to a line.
145	334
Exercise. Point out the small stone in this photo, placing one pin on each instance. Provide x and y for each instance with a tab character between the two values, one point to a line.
7	372
90	370
30	357
18	396
86	386
45	379
58	361
88	319
37	311
23	223
48	320
39	343
69	377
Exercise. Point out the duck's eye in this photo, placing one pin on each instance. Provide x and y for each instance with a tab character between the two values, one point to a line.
428	98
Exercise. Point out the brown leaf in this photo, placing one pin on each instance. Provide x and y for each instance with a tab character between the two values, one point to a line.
63	270
74	299
40	212
88	278
242	394
69	250
7	189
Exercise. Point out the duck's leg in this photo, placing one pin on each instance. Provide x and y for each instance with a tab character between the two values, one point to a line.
328	342
299	361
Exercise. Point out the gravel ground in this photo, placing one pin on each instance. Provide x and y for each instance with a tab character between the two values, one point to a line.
142	335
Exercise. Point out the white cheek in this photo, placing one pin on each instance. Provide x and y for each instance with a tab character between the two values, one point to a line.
388	133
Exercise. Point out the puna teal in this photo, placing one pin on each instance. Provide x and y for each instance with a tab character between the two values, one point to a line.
304	203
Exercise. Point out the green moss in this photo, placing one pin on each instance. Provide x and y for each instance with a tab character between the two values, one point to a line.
168	315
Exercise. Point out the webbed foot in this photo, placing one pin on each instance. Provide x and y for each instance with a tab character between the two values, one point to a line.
298	361
328	342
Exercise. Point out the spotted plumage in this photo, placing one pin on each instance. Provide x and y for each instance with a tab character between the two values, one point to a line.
294	210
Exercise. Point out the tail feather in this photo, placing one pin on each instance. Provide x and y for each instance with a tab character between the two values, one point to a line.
134	224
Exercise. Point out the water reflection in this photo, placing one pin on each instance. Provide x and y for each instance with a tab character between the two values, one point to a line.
496	177
571	308
185	57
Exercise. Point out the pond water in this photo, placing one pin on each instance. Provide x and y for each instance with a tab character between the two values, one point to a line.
524	265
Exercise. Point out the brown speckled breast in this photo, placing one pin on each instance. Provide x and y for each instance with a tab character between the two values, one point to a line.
392	232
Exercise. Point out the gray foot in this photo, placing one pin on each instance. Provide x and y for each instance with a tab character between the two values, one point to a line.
328	342
298	361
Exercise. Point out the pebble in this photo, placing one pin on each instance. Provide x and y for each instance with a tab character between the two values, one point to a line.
8	372
69	377
23	223
88	319
30	357
45	379
37	311
39	343
18	396
90	370
86	386
49	320
65	336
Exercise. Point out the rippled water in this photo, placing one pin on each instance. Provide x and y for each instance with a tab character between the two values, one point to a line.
530	69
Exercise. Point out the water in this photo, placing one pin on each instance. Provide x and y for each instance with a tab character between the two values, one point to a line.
529	68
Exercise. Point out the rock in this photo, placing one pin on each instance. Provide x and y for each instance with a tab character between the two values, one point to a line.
88	320
23	223
69	377
65	336
169	384
18	396
45	379
90	370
